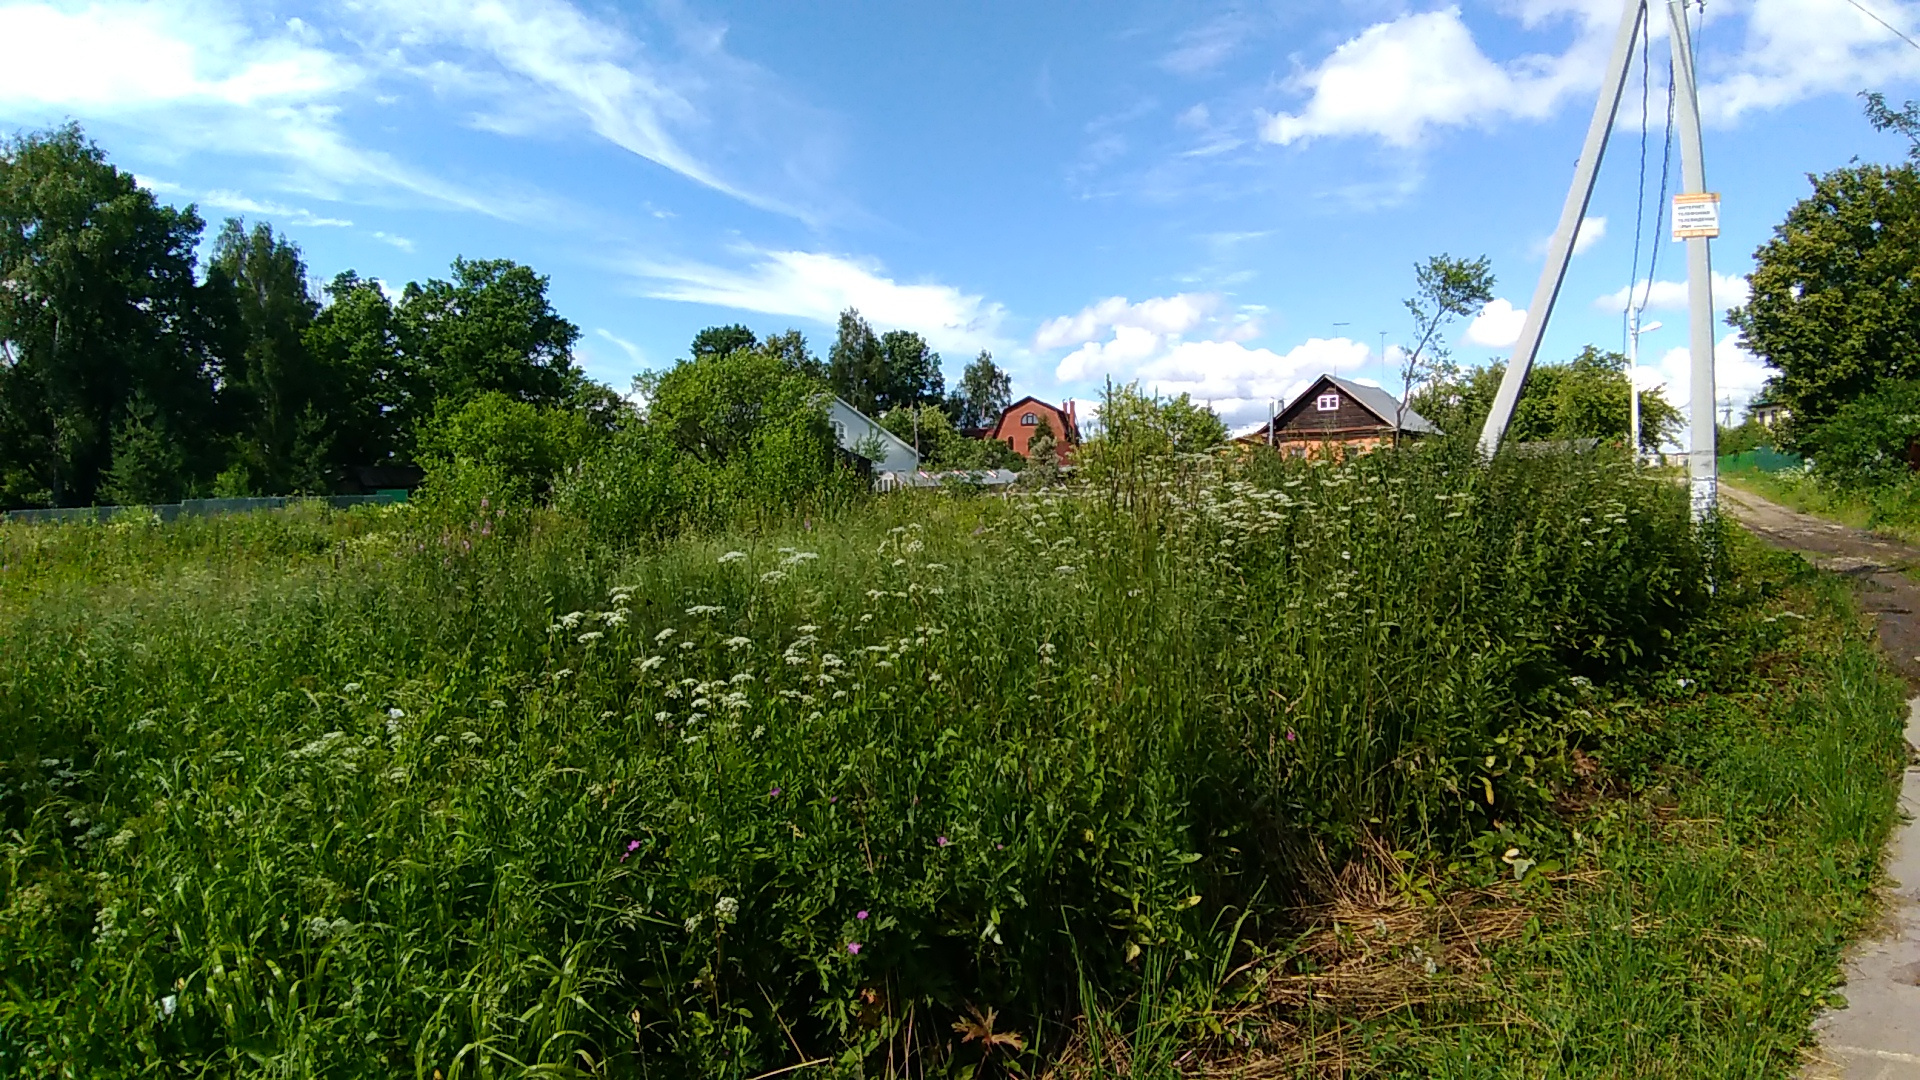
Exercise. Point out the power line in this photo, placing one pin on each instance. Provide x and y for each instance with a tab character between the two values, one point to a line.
1640	200
1890	27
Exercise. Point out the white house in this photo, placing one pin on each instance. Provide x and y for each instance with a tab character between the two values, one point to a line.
857	433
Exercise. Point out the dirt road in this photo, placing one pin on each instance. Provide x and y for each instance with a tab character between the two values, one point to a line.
1877	1036
1876	562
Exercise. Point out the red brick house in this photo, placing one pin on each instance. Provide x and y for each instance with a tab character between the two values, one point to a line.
1336	415
1020	420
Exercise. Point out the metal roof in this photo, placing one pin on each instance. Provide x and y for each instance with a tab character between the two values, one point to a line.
1378	402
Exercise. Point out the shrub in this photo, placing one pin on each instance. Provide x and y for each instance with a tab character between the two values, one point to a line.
1866	442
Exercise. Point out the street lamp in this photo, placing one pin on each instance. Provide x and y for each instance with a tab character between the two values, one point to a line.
1634	330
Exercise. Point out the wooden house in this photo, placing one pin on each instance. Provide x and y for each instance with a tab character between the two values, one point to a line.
1021	420
1336	415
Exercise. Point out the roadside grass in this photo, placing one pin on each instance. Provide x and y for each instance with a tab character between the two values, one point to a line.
1199	768
1893	510
1723	854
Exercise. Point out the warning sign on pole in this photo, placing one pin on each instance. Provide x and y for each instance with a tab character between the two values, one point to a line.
1696	215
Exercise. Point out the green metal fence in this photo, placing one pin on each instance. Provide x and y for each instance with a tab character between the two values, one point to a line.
1764	459
201	507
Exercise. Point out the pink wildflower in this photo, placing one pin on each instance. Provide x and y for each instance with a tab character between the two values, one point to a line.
853	947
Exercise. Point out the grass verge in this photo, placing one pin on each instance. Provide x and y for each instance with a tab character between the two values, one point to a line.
1688	924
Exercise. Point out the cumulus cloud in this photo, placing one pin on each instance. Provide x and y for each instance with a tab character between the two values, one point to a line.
1398	79
1592	230
1794	49
819	286
1190	343
1497	326
1729	291
1737	374
1178	314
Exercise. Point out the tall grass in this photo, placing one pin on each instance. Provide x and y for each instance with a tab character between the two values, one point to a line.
475	792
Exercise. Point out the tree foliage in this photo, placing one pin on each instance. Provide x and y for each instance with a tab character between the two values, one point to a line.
1445	288
100	306
1584	398
1150	423
931	431
983	393
876	372
1871	440
1833	306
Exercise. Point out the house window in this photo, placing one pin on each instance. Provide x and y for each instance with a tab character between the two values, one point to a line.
1327	402
1028	420
839	431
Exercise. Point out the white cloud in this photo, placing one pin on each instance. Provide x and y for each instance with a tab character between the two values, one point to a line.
400	242
1203	48
1190	343
199	76
222	199
633	351
819	286
1794	49
1729	291
1176	314
1398	79
1497	326
109	56
1737	374
657	103
1592	230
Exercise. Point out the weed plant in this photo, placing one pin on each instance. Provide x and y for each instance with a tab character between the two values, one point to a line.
471	790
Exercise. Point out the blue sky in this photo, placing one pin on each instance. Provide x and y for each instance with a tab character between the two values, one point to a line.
1224	199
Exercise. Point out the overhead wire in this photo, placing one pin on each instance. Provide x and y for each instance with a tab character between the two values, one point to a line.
1640	200
1864	10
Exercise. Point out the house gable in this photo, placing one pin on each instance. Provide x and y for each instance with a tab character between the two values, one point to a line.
1309	417
1012	429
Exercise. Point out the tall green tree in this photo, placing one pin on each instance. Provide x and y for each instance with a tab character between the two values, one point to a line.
490	328
273	393
1833	305
373	400
983	393
874	373
98	304
721	340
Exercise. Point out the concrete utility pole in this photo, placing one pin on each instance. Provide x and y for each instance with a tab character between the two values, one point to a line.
1702	458
1634	330
1560	248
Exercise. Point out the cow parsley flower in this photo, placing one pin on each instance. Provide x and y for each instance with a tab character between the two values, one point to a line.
661	637
725	910
699	610
733	556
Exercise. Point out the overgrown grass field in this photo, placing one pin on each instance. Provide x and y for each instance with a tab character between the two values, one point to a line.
933	785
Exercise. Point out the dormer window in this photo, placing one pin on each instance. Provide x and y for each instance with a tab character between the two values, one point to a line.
1028	420
1327	402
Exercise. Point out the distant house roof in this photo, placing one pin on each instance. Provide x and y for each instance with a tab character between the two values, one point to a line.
1381	404
1371	401
853	428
